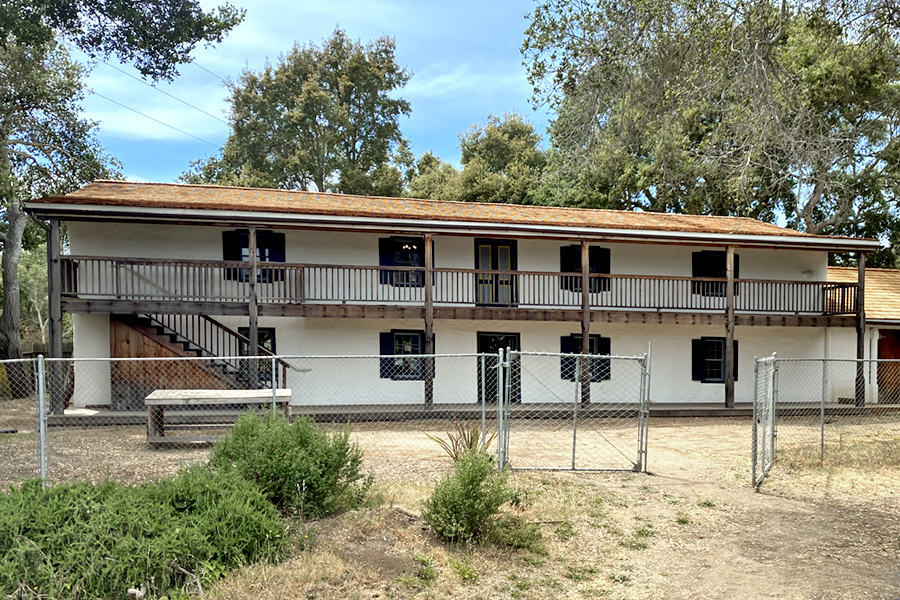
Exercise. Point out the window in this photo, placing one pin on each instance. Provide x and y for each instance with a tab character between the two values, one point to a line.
402	252
708	360
269	248
570	262
404	349
599	367
711	264
265	337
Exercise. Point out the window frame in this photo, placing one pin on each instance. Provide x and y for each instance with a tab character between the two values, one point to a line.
387	257
600	368
700	350
270	248
388	362
599	263
712	264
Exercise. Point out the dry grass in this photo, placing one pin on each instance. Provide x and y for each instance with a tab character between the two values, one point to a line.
692	529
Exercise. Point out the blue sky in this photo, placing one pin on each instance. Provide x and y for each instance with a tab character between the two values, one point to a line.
464	57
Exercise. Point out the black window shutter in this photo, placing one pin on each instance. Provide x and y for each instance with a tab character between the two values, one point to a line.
698	360
567	363
737	274
698	264
276	247
385	259
735	360
569	262
231	245
387	349
604	366
600	263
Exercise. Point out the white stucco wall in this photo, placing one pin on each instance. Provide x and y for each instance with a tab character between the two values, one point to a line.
91	340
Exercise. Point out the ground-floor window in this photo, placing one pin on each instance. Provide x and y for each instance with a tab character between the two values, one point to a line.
708	360
404	348
599	367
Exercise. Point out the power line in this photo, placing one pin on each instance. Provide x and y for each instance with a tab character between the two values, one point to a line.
207	70
154	119
185	102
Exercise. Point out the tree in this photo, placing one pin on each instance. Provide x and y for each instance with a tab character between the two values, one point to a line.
323	117
154	36
45	149
433	179
501	161
744	108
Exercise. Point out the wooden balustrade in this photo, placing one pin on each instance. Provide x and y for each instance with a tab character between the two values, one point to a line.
285	283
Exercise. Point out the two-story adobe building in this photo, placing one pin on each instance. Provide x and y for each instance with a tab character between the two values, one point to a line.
308	273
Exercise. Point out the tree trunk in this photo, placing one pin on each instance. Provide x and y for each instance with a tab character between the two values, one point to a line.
21	378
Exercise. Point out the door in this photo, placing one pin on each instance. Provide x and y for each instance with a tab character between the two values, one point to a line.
495	289
491	343
889	372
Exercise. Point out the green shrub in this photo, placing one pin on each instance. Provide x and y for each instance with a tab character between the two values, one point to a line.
466	503
298	466
83	540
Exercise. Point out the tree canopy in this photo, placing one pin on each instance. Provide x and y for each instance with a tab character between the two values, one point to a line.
747	108
153	36
323	117
46	148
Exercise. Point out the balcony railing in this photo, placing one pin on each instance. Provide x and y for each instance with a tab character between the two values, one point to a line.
284	283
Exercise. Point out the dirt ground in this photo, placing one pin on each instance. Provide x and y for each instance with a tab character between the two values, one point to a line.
692	527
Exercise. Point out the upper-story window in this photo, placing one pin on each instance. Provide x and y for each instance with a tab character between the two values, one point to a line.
570	262
711	264
269	248
402	252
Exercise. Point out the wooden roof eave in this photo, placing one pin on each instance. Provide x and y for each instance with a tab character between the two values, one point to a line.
229	218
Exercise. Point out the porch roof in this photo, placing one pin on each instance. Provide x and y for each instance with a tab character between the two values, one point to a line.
882	291
117	200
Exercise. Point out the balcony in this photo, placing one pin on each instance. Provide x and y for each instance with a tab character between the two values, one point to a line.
110	284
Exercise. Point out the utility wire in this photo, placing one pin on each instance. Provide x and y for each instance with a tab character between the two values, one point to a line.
185	102
195	63
154	119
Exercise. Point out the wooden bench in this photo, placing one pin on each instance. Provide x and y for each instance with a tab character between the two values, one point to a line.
160	399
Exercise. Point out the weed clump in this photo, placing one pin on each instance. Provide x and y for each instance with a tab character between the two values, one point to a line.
299	467
465	506
84	540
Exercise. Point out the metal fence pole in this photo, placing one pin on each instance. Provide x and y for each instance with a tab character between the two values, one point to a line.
822	410
274	386
754	444
578	384
774	406
481	399
641	461
501	458
42	416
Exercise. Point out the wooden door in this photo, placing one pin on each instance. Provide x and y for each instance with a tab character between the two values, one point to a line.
495	289
889	372
491	343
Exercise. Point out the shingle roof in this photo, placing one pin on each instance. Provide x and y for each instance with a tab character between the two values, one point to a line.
201	197
882	290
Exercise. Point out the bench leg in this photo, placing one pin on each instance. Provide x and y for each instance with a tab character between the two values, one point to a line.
155	426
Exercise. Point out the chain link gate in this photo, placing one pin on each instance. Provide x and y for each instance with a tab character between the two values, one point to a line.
764	403
573	412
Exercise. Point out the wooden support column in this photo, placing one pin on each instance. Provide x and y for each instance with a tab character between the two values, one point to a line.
253	311
861	329
429	321
585	322
729	327
56	384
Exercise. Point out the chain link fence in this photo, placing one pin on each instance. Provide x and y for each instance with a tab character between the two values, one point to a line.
140	419
839	411
575	412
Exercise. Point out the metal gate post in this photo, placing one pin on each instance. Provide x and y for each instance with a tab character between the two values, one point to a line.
501	387
274	388
578	384
642	419
481	399
774	406
822	409
753	444
42	416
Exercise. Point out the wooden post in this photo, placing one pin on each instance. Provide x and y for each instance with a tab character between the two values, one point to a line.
729	327
585	322
429	322
57	386
253	311
861	329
